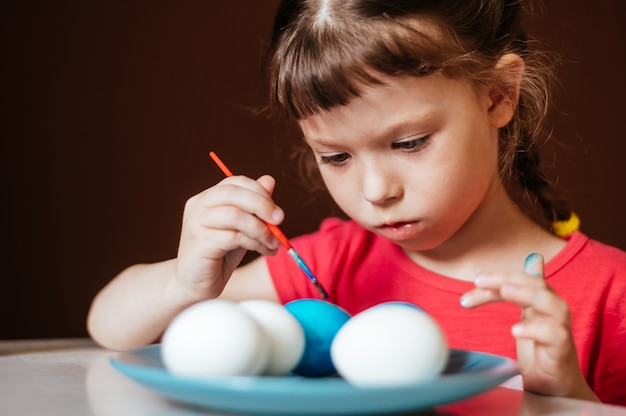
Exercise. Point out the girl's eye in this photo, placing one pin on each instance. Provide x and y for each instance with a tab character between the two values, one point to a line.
334	159
411	145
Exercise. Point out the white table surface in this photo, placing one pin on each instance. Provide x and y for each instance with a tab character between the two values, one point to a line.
74	377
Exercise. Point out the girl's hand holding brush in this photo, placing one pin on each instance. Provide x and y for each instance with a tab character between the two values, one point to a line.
219	225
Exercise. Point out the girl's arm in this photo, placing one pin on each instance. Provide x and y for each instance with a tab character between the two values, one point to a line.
219	225
135	308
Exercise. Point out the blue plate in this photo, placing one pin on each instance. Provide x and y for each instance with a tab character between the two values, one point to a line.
467	374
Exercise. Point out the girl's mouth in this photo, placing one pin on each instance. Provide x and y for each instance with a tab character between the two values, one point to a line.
398	230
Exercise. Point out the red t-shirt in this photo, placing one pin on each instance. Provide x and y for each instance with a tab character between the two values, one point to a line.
360	269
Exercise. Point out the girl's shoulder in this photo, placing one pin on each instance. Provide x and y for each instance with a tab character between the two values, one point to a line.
582	247
585	262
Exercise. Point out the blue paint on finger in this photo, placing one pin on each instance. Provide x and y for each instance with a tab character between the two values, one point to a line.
534	265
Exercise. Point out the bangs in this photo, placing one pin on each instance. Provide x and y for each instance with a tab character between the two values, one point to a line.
328	63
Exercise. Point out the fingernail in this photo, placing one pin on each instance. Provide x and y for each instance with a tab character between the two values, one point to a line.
466	301
517	329
481	279
533	264
277	215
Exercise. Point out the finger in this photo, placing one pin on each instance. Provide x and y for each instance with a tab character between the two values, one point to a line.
203	228
264	185
540	301
492	284
252	198
478	297
221	242
247	182
229	218
541	331
242	240
268	183
489	285
533	265
495	280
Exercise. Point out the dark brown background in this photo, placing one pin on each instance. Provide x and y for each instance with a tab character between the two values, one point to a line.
109	110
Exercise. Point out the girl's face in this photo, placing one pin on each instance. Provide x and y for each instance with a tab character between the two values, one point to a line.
411	160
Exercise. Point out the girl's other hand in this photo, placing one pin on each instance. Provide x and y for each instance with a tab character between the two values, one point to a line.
219	225
545	346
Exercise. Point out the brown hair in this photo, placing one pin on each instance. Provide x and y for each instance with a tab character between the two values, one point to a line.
324	51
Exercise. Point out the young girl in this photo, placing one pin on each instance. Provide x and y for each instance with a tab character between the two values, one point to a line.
422	119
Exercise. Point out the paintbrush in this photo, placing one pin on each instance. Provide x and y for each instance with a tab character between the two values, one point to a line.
280	236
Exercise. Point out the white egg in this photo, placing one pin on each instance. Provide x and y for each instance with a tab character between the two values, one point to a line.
390	344
285	334
215	338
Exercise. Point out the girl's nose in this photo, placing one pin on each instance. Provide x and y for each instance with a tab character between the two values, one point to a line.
380	185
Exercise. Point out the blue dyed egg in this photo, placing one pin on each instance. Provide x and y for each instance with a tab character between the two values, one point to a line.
320	321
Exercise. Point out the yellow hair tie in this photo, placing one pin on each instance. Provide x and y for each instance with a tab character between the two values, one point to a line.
568	227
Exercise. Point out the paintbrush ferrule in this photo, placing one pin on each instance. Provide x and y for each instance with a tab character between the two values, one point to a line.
294	254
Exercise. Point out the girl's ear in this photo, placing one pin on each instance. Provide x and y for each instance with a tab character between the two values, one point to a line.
504	92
